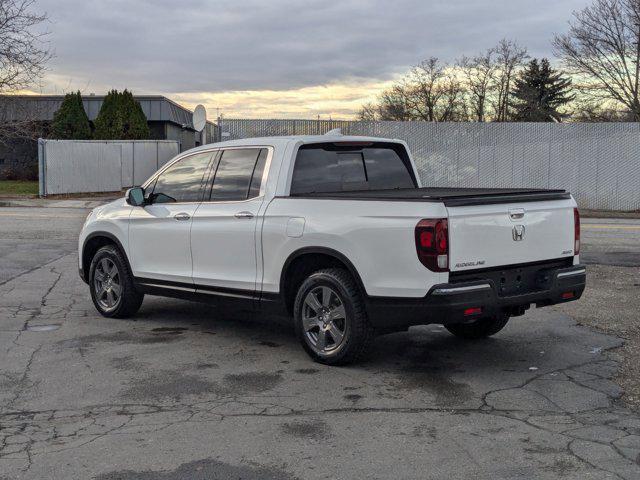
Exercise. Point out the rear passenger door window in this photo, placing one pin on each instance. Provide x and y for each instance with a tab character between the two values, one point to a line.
239	174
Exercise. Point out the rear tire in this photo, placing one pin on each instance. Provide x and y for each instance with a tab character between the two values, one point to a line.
482	328
111	283
330	318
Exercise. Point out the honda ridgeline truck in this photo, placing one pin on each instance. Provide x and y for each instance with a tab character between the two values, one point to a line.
336	232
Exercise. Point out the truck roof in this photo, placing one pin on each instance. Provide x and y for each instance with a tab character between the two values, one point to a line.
281	140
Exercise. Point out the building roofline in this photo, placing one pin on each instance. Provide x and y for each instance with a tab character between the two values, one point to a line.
99	98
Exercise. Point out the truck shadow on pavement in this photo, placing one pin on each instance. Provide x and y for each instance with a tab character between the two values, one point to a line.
540	387
426	358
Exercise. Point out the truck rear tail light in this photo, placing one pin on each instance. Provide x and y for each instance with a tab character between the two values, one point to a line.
472	311
432	244
567	295
576	231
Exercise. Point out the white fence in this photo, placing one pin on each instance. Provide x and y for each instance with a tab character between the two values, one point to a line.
599	163
76	166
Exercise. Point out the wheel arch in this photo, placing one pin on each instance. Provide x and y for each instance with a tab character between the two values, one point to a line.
94	242
307	259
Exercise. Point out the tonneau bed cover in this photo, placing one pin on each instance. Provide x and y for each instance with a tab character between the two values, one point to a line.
451	197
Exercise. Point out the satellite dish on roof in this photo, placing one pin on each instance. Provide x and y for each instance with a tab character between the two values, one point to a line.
199	118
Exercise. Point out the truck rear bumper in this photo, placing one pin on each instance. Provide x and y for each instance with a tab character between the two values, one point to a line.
462	302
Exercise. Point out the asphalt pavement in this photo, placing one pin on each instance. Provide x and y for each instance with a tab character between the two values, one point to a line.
184	392
611	241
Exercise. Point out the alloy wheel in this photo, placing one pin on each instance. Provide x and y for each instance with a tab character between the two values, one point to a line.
107	284
324	320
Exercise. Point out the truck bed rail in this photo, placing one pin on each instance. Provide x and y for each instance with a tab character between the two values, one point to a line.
451	197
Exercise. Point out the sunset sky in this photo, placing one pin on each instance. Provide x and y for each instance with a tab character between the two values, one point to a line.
274	58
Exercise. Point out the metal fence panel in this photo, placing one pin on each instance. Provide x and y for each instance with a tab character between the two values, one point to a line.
166	151
128	173
77	166
598	163
80	167
146	160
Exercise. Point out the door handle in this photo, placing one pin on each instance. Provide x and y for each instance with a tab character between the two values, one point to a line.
516	213
182	216
244	215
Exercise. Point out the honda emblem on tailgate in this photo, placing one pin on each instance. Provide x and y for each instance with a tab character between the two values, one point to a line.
518	233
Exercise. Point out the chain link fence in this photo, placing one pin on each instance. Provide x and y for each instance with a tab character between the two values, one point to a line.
598	163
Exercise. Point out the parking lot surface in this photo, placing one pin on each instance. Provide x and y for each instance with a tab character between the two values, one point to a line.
187	392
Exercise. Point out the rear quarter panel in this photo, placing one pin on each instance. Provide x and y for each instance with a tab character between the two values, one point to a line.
377	237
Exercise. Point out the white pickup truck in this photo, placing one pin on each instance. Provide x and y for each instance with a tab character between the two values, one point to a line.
337	232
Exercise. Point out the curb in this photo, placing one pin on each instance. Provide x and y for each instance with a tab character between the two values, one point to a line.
79	204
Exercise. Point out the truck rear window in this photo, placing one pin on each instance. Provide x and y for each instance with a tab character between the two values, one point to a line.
330	167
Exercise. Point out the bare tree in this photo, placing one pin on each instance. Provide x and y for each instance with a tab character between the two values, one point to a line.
368	112
590	110
24	53
479	73
392	104
475	88
433	93
603	47
509	58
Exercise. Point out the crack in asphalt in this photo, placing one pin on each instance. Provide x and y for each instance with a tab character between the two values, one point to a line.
31	434
37	267
37	421
34	313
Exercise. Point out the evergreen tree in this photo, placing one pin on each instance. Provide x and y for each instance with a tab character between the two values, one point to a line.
70	122
121	118
109	124
135	122
539	92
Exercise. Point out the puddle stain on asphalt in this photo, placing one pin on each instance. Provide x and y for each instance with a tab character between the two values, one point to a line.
206	366
170	330
125	364
427	372
202	470
159	385
307	371
169	384
353	397
250	382
122	337
313	429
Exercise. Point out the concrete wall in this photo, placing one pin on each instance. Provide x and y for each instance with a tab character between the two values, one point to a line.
76	166
185	138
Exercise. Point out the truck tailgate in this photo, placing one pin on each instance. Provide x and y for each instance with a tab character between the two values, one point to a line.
493	235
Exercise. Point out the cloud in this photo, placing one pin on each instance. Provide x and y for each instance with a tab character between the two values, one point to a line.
199	46
338	101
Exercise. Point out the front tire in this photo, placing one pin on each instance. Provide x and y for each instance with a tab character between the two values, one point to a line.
111	283
481	328
330	318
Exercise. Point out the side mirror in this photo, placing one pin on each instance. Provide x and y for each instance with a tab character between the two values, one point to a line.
135	196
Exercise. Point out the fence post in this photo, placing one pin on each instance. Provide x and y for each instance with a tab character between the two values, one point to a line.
42	191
